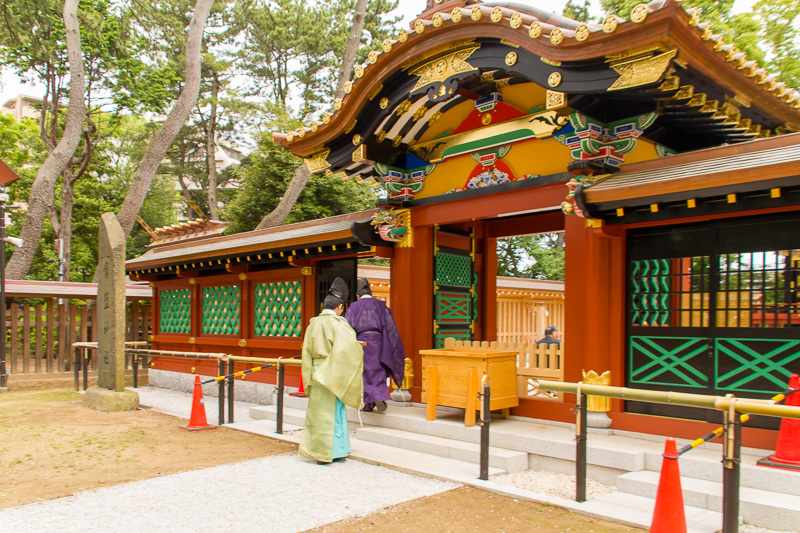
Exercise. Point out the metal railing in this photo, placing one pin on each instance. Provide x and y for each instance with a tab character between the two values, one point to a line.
731	407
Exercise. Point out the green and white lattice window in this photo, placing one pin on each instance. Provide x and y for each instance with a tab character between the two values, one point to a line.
175	311
221	310
278	309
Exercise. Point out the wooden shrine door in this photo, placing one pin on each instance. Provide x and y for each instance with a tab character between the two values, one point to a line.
714	308
455	284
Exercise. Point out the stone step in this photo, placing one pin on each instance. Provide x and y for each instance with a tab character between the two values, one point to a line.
771	509
507	460
637	511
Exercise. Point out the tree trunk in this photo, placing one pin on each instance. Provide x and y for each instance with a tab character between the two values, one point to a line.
302	175
65	225
350	50
281	211
43	187
151	160
211	163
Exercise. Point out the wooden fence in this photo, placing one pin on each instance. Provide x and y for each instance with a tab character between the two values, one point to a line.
39	337
534	363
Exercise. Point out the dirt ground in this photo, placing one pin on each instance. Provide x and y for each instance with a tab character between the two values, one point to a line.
51	446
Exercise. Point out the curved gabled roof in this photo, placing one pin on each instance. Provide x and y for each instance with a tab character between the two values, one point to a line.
665	59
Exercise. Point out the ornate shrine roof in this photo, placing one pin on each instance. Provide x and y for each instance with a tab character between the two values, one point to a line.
664	60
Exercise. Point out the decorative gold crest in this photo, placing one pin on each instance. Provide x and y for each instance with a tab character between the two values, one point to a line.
556	36
384	102
242	343
476	13
582	32
356	139
192	281
191	340
358	71
402	36
372	57
535	30
486	119
694	20
307	271
242	276
555	99
387	46
326	118
456	15
610	24
511	59
516	21
419	26
641	71
318	161
437	20
314	126
639	13
348	86
554	80
360	153
497	14
301	132
337	104
443	68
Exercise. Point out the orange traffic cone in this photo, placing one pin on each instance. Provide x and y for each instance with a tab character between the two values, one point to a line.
787	451
301	393
197	420
668	515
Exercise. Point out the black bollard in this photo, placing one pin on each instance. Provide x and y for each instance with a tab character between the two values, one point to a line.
279	414
221	392
580	449
486	416
731	472
231	382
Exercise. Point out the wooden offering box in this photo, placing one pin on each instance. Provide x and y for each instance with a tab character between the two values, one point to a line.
452	378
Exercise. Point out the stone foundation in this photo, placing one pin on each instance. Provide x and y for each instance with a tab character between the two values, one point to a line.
243	390
102	399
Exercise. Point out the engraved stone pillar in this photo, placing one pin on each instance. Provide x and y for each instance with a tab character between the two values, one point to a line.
110	393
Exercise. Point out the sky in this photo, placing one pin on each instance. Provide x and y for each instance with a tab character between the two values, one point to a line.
11	86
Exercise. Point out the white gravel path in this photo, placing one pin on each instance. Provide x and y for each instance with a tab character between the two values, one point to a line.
283	493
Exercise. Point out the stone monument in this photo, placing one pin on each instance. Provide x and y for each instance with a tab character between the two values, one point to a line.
110	393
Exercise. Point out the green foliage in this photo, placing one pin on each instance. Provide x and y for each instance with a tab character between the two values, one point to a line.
264	176
575	11
532	256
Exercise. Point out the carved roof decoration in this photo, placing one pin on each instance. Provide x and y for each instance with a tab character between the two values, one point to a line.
187	230
663	59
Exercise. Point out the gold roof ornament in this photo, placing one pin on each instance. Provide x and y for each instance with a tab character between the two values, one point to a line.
554	80
535	30
511	59
372	57
387	46
437	20
356	139
402	36
582	33
383	103
337	104
348	86
610	24
641	71
497	14
358	71
326	118
419	26
556	36
476	13
318	161
516	21
456	15
639	13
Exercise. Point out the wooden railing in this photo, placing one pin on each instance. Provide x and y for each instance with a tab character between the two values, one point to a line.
534	363
40	336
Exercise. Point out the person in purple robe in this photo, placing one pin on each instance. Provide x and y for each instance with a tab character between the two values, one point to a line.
384	355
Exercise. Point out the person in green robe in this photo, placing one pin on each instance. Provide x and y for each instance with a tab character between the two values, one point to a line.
333	364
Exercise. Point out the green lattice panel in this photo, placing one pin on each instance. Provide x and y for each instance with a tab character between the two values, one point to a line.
175	311
650	292
453	307
457	334
673	361
453	270
278	309
755	365
221	310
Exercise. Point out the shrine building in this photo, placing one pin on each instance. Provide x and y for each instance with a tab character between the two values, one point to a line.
669	159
